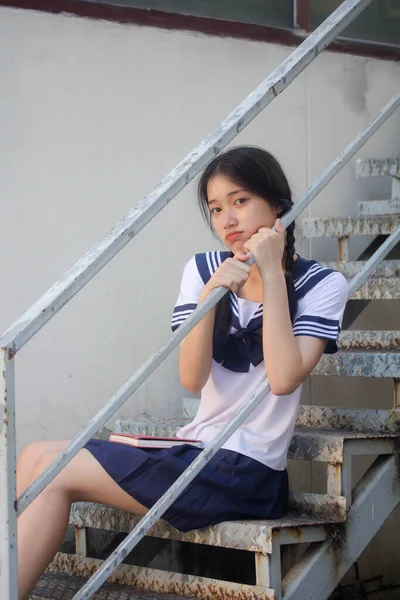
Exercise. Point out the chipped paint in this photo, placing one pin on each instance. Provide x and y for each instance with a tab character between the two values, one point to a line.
379	288
387	268
378	167
253	536
348	422
142	213
330	507
163	582
370	340
8	524
62	586
379	207
310	444
396	393
100	254
341	227
343	249
359	364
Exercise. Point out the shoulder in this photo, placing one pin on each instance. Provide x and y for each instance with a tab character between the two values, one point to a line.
206	263
310	278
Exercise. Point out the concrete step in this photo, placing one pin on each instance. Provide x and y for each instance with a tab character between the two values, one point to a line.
61	586
371	208
316	437
378	167
387	268
348	226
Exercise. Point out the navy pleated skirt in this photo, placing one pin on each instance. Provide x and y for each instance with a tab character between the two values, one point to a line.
230	487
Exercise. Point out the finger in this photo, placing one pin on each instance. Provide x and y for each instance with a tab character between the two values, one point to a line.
279	229
263	229
242	257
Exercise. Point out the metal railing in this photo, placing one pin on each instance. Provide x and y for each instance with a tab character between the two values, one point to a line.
156	512
77	277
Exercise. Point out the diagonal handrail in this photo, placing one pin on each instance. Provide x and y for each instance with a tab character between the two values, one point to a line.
151	364
99	255
159	508
79	275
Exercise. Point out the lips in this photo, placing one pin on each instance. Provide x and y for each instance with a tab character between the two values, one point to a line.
234	235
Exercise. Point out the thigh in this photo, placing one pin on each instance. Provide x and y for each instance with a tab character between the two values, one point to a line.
85	480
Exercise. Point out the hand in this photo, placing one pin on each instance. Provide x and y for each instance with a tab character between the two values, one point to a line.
268	247
232	273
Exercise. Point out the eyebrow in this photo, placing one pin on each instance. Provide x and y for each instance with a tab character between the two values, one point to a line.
229	194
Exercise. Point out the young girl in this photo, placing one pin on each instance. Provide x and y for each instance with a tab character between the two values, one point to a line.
280	315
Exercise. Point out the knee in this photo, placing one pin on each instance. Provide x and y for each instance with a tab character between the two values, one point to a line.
30	455
34	459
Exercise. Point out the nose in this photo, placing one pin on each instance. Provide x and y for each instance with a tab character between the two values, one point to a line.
230	219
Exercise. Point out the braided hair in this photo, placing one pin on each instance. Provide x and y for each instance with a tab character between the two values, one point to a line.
257	171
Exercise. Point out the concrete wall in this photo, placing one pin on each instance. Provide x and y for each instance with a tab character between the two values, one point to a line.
93	115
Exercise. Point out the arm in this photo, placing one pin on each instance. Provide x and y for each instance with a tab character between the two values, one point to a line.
195	351
288	359
292	352
195	355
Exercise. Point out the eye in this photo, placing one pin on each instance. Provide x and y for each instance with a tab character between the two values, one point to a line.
215	210
240	200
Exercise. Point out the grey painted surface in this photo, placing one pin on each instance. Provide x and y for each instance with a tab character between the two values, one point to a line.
82	157
350	226
378	167
379	207
58	138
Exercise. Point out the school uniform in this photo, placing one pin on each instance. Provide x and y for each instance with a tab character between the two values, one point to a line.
247	477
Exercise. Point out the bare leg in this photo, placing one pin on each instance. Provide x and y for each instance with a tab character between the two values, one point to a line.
42	526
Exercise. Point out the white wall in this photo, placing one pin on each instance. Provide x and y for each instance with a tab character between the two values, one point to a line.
92	116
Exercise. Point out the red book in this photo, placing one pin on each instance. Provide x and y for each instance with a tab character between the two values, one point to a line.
149	441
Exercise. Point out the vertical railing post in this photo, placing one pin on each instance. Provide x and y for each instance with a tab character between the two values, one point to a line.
8	513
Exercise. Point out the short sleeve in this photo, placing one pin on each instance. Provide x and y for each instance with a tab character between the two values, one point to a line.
320	311
191	287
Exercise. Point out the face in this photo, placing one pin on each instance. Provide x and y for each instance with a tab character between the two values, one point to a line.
237	214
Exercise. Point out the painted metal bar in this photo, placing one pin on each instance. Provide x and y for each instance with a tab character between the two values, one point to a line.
23	326
181	483
375	498
126	391
343	158
79	275
343	249
117	400
374	261
8	516
396	393
262	570
275	570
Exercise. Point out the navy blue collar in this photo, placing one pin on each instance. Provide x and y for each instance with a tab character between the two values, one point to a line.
237	350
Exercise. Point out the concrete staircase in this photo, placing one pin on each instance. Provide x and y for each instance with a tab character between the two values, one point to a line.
329	530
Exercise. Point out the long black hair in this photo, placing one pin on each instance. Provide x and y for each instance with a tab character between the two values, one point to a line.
257	171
